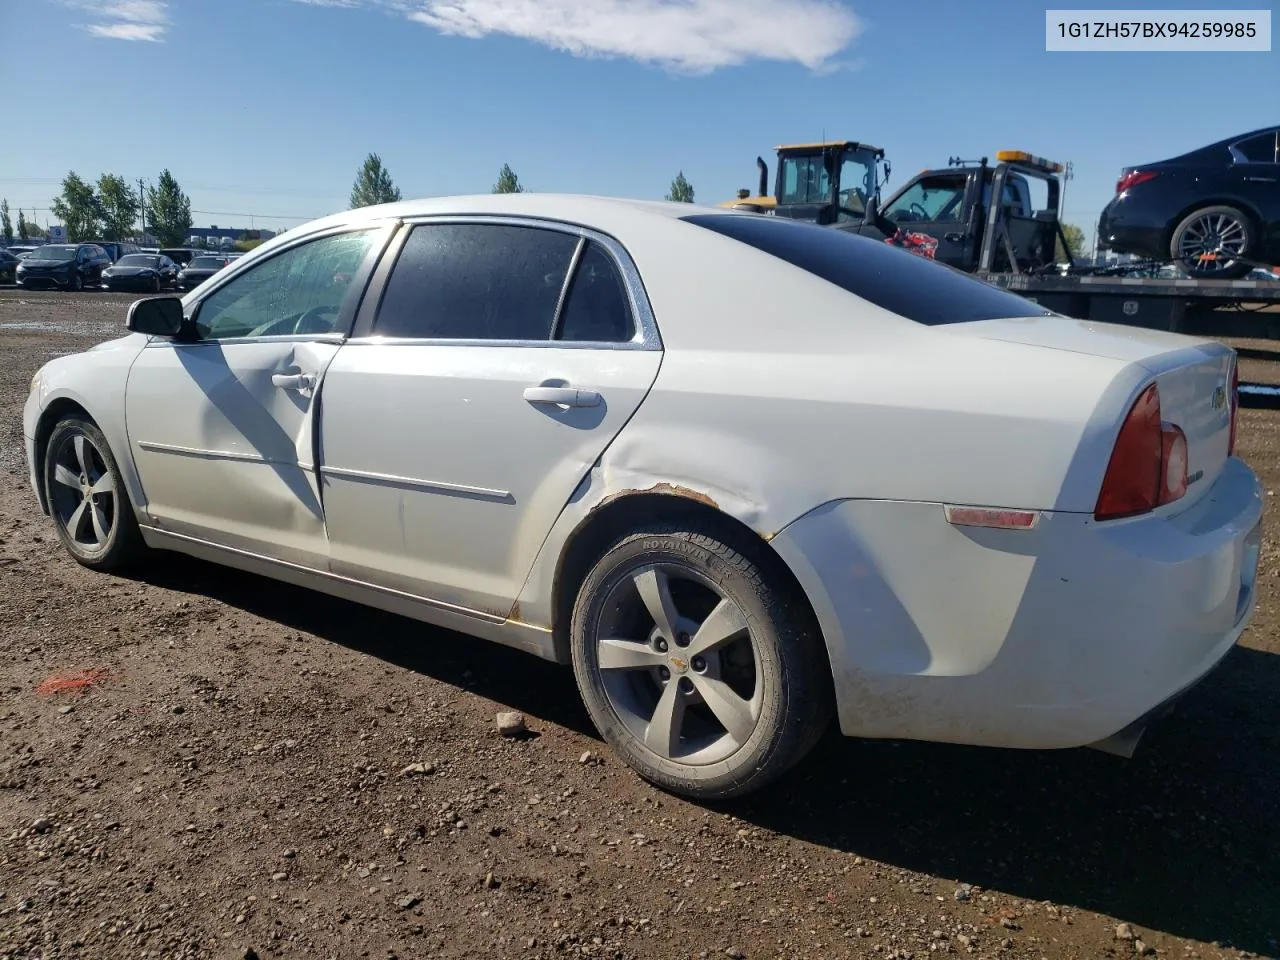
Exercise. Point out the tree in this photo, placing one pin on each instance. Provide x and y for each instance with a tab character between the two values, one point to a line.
6	225
170	211
26	229
681	189
119	206
78	208
508	182
373	184
1075	239
245	245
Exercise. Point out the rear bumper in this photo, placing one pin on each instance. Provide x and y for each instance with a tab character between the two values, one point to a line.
1061	636
1125	228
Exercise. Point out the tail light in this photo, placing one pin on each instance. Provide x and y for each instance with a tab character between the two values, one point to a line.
1133	178
1148	466
1233	398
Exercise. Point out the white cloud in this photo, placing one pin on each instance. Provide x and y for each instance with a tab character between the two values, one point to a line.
691	36
126	19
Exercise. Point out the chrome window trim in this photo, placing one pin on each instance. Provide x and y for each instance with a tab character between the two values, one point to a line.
646	336
335	338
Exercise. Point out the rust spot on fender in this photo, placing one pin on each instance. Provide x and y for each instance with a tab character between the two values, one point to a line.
674	489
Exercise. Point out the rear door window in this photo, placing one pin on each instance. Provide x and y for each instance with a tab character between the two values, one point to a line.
925	291
596	308
476	281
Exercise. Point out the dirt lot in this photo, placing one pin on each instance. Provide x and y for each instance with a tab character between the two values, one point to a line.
234	787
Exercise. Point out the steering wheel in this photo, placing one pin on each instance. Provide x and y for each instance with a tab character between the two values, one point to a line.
312	320
924	214
309	322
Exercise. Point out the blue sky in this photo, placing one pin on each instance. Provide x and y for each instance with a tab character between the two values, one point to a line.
268	107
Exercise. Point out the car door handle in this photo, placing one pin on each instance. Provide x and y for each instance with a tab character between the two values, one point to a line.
565	396
293	381
953	237
1261	179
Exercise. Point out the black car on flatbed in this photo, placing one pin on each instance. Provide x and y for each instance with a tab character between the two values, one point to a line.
1214	211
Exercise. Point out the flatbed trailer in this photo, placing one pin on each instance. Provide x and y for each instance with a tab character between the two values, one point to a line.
1224	307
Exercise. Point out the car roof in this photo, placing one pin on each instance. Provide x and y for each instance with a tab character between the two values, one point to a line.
589	210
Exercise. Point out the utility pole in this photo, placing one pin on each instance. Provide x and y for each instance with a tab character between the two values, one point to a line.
142	208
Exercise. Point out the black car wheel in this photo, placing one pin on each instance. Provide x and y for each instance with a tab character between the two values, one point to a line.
1213	243
76	283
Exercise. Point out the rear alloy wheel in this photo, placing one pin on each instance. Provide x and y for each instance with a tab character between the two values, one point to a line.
90	507
700	673
1213	243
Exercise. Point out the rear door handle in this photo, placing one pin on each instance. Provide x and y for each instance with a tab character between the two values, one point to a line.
953	237
1261	179
565	396
293	381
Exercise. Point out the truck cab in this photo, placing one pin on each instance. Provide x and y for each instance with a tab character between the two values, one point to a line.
953	206
826	183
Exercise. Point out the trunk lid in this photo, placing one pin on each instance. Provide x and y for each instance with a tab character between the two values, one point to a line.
1192	374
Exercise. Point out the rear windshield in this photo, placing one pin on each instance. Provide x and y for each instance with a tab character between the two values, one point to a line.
207	263
904	283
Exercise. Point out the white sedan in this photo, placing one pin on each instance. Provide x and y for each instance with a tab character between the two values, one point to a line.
740	472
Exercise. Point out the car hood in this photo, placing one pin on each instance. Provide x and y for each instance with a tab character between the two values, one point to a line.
30	262
129	271
130	341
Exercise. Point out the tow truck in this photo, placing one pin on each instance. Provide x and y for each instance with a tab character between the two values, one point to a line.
1018	243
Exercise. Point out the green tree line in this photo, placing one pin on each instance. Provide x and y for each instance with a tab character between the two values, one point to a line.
110	207
373	184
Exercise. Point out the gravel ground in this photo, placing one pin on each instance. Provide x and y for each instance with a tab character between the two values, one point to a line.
240	783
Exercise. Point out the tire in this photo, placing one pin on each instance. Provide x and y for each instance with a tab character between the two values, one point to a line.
771	678
155	285
76	284
1214	229
77	446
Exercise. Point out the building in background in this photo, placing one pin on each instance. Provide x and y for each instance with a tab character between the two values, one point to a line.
224	238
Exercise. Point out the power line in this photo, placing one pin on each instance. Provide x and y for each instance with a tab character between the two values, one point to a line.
260	216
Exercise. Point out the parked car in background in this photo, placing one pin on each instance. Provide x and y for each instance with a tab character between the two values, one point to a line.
1212	210
8	267
567	425
66	266
199	270
21	250
140	271
179	255
117	249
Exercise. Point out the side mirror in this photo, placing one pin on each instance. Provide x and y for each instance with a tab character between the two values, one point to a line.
155	316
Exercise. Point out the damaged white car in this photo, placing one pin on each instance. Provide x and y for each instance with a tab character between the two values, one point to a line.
744	474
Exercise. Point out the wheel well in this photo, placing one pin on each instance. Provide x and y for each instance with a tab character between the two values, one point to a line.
1255	220
618	517
56	412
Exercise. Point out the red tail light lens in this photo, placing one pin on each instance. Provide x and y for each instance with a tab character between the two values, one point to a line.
1148	466
1133	178
1234	399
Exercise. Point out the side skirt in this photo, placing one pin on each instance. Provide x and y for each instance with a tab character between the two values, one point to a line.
512	633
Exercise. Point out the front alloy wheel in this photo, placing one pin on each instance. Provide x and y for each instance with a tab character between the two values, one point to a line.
694	666
90	508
